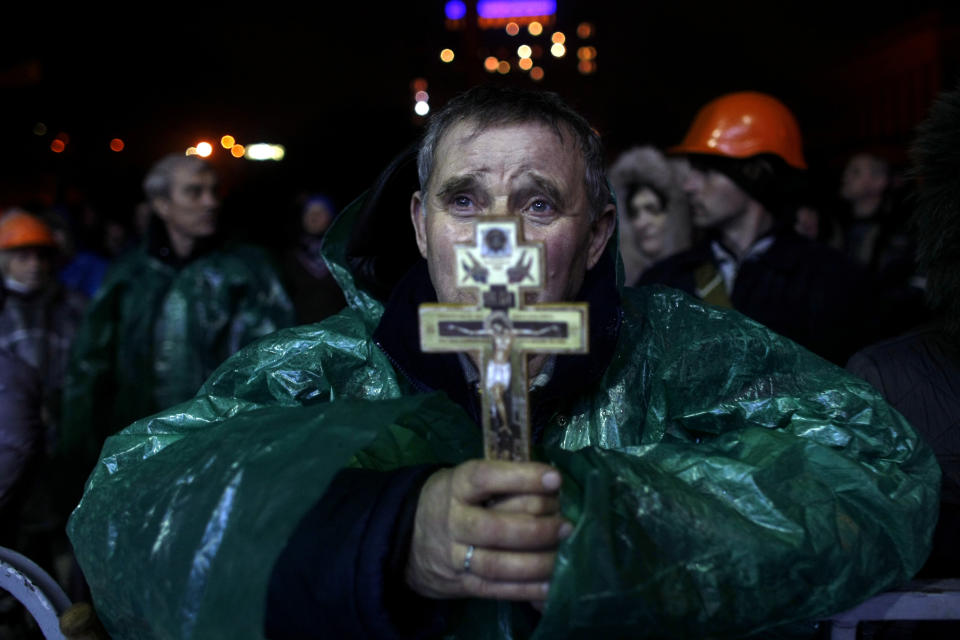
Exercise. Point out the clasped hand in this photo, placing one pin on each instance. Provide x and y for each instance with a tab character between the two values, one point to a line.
508	511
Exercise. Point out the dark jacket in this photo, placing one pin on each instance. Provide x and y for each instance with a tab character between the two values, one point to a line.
21	438
919	374
801	289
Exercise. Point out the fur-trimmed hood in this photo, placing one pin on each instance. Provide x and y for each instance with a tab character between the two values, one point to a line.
647	165
936	165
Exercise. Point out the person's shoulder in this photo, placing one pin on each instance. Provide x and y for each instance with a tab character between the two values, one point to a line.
243	259
669	269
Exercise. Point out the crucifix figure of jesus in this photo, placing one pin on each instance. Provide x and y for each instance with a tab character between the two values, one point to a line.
500	330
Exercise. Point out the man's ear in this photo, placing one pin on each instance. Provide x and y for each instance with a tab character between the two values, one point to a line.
160	206
600	231
418	216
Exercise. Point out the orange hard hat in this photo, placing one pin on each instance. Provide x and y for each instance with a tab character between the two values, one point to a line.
19	229
745	124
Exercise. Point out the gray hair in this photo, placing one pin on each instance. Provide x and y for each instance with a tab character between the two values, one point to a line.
157	182
492	106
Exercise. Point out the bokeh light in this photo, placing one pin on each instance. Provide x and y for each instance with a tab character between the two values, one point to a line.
204	149
419	84
535	28
237	150
116	145
421	108
512	28
525	63
536	74
558	50
191	151
57	146
584	30
503	67
39	129
586	53
524	51
447	55
63	137
491	63
558	37
227	141
586	67
455	10
265	151
421	96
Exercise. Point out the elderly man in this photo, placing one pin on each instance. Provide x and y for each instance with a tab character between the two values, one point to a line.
167	313
695	474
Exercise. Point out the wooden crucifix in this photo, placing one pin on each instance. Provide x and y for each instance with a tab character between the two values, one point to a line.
500	330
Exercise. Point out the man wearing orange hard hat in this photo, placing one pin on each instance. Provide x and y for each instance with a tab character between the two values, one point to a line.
39	316
746	157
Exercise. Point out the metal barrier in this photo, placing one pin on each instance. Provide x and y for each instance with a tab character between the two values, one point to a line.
35	589
917	600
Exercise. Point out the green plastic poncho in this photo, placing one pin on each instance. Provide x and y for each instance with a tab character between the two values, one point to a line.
722	480
153	333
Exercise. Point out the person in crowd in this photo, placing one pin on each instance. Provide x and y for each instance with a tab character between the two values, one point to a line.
312	287
653	211
695	473
21	440
919	372
40	316
168	313
746	164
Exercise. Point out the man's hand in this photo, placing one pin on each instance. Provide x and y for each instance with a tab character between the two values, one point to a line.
508	511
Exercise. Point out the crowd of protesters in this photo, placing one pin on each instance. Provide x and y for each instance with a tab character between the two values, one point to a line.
96	333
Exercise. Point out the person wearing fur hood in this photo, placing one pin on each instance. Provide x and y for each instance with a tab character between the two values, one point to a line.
654	215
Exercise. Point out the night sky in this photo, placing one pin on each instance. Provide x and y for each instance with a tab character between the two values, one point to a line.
332	83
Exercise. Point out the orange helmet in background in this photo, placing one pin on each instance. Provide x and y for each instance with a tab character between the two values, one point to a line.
20	229
744	124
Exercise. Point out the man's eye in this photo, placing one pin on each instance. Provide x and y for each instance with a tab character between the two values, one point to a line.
462	202
540	206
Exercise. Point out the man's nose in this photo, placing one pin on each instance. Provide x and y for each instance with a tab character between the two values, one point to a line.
499	207
210	199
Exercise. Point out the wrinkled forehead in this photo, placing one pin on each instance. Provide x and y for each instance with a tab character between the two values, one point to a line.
467	132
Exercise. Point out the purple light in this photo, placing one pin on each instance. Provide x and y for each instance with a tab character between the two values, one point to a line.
492	9
455	10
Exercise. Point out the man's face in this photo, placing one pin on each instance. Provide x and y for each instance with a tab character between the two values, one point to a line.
715	200
191	208
28	266
863	177
522	170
